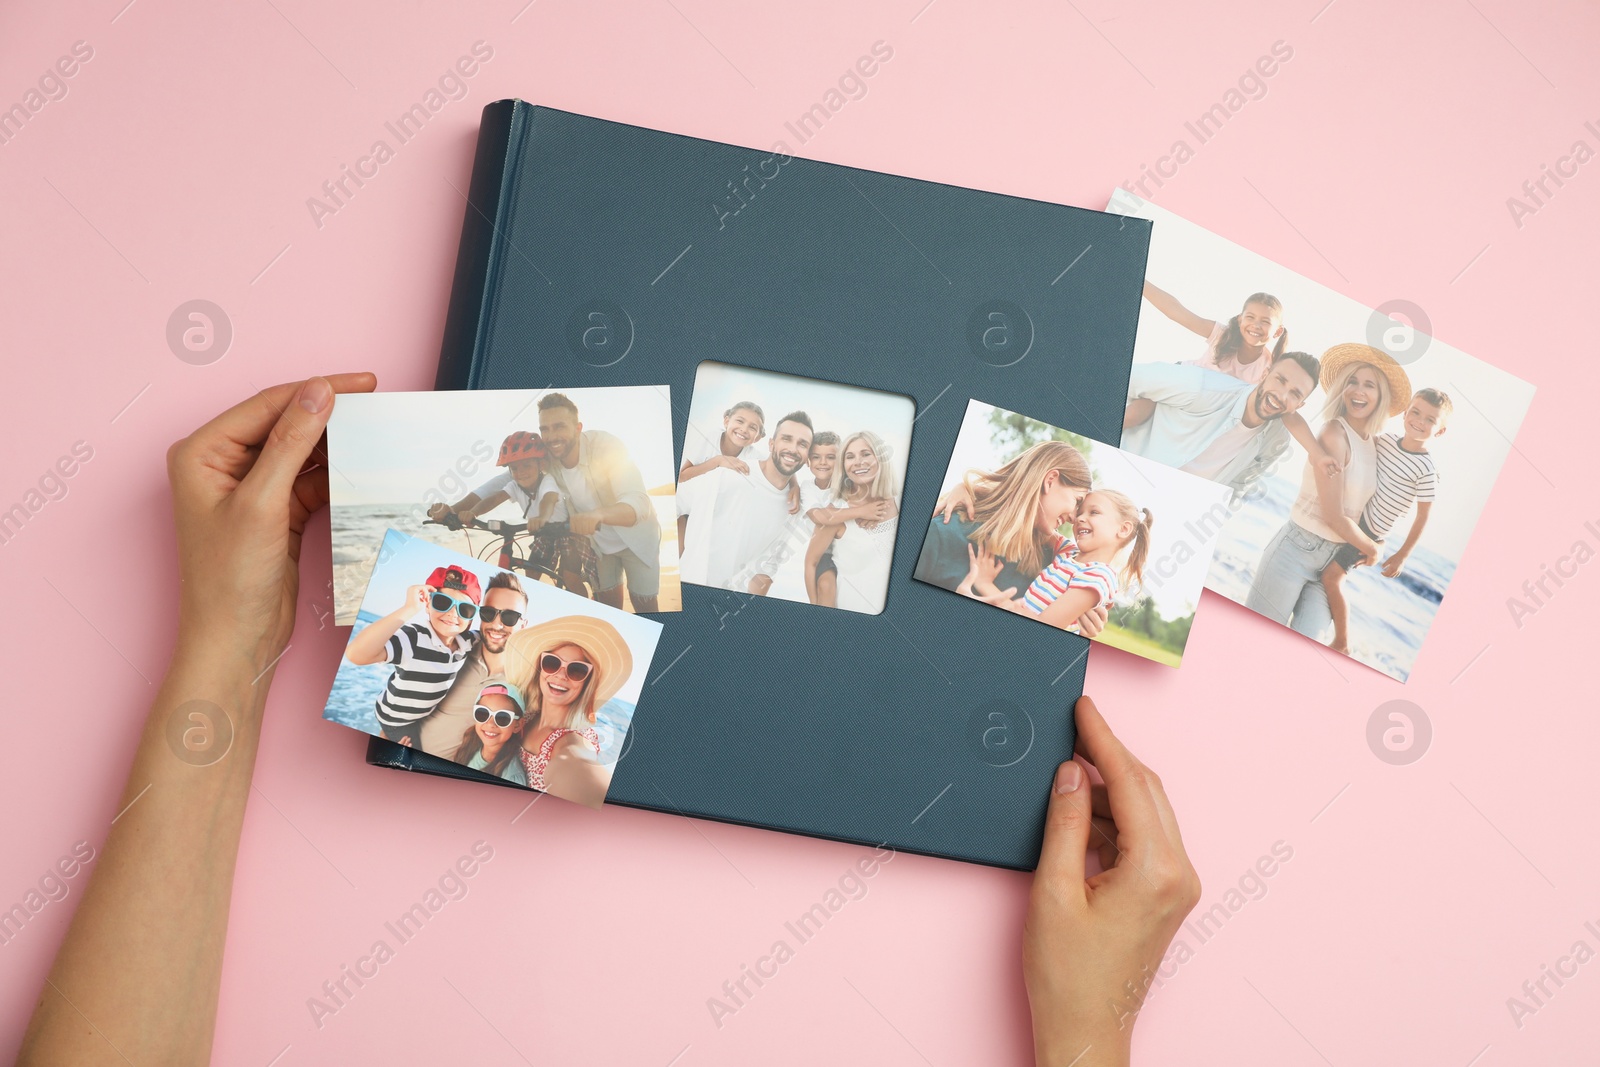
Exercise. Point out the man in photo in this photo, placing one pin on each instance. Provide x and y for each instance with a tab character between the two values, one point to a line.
1214	425
504	610
737	517
608	503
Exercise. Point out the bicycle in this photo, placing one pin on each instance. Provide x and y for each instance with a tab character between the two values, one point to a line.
505	555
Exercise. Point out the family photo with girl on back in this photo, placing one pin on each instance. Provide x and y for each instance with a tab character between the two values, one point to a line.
1358	450
791	487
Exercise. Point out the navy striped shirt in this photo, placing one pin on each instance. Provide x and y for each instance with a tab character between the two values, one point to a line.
1404	478
423	673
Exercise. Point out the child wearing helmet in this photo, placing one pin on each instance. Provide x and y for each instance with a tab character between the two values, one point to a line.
526	482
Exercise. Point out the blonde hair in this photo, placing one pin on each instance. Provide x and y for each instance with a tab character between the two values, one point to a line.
882	487
1133	567
523	669
1333	407
1005	502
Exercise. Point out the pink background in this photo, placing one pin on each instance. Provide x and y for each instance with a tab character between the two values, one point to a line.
1416	903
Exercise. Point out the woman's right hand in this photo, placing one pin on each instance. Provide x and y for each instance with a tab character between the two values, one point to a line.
1092	944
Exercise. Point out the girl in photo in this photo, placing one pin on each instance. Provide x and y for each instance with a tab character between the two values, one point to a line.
1014	514
1365	388
862	548
1244	346
743	427
568	667
1080	578
490	744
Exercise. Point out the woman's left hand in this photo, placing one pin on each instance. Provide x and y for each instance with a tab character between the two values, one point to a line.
243	486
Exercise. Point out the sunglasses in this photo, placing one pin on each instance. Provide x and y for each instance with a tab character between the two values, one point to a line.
505	615
577	670
502	718
465	609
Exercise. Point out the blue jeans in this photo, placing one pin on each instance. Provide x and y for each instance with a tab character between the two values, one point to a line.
1288	584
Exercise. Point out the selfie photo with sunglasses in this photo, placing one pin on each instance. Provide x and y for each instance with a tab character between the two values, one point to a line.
521	681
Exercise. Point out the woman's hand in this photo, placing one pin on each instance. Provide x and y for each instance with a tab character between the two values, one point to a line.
1092	944
243	486
959	498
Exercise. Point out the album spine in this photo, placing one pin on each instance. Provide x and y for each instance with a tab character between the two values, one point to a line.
483	236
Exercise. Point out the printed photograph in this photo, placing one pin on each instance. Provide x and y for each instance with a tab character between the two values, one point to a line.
571	488
790	487
1068	531
479	665
1358	451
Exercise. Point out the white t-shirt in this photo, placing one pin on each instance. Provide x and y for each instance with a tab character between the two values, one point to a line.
607	540
736	517
529	505
1221	451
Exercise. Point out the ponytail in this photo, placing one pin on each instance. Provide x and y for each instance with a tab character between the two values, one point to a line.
1139	555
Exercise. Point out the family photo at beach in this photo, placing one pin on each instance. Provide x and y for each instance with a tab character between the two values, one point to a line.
791	487
522	681
568	488
1075	533
1358	451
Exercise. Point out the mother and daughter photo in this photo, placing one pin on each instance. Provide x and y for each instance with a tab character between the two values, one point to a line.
1055	527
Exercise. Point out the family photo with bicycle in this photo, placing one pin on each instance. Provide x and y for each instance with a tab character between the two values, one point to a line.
568	488
520	680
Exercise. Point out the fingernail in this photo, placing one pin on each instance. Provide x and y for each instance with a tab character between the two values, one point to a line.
1069	777
316	395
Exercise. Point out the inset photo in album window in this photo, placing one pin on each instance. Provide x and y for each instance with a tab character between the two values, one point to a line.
790	487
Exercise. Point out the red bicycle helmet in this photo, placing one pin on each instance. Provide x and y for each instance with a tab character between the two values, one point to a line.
520	445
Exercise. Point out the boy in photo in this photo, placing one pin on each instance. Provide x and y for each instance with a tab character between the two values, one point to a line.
1406	475
426	656
526	482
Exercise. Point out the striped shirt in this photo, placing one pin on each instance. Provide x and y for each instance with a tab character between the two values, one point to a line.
424	670
1067	572
1404	478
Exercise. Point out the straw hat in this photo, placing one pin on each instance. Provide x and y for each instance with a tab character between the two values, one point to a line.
605	646
1339	358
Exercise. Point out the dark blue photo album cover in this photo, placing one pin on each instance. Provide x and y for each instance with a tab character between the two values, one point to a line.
849	701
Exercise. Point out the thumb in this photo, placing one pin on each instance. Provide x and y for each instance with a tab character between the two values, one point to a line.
288	446
1067	822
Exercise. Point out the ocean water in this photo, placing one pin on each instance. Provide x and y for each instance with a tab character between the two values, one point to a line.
356	690
1389	617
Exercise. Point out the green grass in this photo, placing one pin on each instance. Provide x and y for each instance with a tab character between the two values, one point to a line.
1139	645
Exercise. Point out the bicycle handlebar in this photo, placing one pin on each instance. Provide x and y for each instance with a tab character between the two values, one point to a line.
495	526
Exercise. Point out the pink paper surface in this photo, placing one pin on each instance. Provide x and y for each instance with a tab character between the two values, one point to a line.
1379	160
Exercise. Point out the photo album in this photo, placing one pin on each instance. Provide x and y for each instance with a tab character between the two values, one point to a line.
721	513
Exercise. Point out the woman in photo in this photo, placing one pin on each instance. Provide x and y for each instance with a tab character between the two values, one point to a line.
490	744
568	667
1015	514
1365	388
862	548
